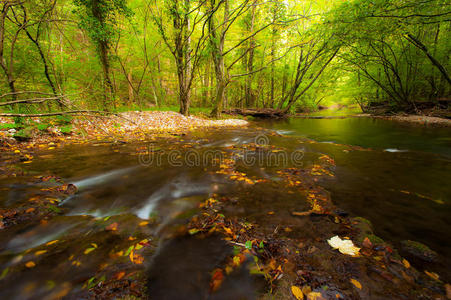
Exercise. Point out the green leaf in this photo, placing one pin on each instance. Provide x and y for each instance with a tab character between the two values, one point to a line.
249	245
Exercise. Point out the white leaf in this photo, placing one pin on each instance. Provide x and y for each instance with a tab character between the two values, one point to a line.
344	246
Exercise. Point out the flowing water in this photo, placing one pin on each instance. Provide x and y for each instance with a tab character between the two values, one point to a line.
397	176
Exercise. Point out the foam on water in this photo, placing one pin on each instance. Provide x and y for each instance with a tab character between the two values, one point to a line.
394	150
102	178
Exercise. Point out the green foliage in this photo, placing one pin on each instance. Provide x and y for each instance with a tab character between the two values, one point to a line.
378	62
66	129
63	119
99	17
10	126
42	126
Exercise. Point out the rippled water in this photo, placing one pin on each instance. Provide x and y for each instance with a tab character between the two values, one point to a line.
398	178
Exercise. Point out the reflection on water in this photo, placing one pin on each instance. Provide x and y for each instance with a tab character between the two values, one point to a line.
369	133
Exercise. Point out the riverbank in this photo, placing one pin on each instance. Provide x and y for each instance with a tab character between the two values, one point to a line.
413	119
123	127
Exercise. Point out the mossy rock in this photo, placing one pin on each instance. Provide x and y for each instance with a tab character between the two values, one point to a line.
24	134
363	225
375	240
419	250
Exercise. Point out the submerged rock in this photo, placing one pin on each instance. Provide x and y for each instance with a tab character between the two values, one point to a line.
419	250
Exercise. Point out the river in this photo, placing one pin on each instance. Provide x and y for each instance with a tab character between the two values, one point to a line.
395	175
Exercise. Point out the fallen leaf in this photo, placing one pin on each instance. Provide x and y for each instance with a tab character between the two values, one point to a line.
216	280
143	223
228	230
193	231
119	275
344	246
406	263
297	292
315	296
112	227
37	253
356	283
432	275
30	264
367	243
29	210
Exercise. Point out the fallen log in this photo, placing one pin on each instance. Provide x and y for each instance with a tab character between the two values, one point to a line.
265	113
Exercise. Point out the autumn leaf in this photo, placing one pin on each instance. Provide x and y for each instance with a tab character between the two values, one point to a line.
112	227
89	250
119	275
406	263
356	283
297	292
216	280
30	264
52	242
37	253
193	231
144	223
344	246
315	296
432	275
138	259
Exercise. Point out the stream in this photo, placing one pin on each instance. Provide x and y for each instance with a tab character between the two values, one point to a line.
395	175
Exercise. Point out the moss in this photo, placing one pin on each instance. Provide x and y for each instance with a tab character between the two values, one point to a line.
363	220
375	240
417	245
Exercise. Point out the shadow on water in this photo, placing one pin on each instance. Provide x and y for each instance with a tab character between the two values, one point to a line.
181	269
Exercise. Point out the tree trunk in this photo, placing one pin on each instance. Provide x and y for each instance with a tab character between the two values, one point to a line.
217	46
250	97
131	95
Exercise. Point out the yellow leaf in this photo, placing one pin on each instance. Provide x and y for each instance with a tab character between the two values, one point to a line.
228	230
406	263
314	296
51	242
432	275
37	253
356	283
297	292
144	223
30	264
87	251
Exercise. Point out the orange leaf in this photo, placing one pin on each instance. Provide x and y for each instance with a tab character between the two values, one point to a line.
30	264
356	283
112	227
119	275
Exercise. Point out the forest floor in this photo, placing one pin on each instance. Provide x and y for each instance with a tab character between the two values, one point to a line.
295	260
125	126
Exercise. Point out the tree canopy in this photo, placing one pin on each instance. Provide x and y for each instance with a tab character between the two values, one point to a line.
219	54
